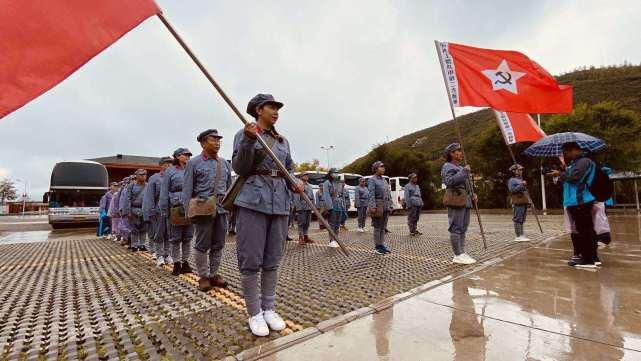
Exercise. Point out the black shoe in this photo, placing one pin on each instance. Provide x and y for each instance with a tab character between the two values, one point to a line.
143	248
232	233
575	260
380	250
387	230
133	249
418	233
385	249
185	268
597	261
177	269
289	238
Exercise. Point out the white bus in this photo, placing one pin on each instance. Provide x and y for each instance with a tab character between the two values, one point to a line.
75	191
397	186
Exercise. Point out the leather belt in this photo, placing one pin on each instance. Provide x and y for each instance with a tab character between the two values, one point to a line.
269	172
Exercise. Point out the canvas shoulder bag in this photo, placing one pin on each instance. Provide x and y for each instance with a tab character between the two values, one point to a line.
205	207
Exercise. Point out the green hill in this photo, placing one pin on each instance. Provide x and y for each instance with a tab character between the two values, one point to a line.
618	87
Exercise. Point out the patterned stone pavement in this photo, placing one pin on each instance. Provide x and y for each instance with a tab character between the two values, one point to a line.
91	299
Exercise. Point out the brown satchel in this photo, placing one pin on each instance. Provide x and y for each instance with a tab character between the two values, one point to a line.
205	207
177	216
380	205
520	199
455	198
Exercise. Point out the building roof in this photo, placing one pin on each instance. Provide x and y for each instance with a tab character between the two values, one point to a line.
625	175
128	159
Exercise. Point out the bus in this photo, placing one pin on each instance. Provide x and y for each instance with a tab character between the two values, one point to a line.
74	193
397	187
351	182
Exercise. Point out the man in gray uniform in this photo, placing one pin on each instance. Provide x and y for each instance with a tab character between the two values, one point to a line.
320	204
361	196
133	210
171	195
414	203
456	179
209	232
379	204
347	204
303	211
263	205
334	198
151	213
517	187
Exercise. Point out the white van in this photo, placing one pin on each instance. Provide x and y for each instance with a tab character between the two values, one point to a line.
397	186
351	182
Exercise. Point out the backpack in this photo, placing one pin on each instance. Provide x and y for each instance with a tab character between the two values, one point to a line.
602	187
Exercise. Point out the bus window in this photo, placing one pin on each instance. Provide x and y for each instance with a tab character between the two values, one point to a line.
316	178
352	180
403	181
393	185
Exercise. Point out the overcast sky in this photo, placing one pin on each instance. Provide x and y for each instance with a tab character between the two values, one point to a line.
351	74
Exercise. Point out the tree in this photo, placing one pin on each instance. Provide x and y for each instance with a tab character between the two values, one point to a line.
313	165
7	190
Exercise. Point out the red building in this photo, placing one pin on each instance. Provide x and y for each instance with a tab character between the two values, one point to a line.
123	165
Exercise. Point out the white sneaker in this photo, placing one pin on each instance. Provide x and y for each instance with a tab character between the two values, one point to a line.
169	260
360	230
468	259
521	239
160	260
258	326
459	259
273	320
333	244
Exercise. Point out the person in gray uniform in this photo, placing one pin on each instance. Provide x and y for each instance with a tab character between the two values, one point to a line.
133	210
320	204
518	188
347	204
414	203
458	200
203	181
151	213
125	223
303	211
171	195
263	205
361	196
334	201
379	205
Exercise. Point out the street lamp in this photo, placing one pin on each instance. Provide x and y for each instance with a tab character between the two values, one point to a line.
24	195
327	149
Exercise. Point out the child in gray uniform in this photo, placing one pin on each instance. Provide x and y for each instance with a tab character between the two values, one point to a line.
263	205
517	187
458	200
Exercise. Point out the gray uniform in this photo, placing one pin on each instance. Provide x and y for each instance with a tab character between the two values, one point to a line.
125	224
179	240
133	209
209	232
263	206
334	198
379	190
414	204
303	211
455	176
151	213
519	211
361	196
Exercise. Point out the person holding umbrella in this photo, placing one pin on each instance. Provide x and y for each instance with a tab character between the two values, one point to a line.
577	178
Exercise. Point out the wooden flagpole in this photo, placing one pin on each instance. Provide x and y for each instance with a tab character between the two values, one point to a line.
240	116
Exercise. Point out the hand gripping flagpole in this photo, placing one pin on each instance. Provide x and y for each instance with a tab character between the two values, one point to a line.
460	139
240	116
527	193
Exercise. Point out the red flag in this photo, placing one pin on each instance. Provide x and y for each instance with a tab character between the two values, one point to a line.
518	127
44	42
503	80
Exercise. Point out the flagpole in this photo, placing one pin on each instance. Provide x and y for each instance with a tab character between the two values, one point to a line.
527	193
544	206
460	139
240	116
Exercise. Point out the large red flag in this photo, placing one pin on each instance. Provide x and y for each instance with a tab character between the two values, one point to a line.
518	127
500	79
43	42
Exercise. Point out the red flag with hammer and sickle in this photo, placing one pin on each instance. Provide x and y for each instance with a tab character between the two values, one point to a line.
44	42
504	80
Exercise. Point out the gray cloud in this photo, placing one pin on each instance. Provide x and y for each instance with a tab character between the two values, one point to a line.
352	74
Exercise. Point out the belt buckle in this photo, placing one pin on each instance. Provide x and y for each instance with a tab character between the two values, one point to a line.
273	173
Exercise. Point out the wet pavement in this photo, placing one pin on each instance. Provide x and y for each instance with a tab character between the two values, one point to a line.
531	306
67	295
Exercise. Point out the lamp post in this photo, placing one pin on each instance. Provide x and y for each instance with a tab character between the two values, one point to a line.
24	195
327	149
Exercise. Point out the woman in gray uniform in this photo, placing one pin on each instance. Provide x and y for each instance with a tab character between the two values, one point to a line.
304	212
263	205
379	204
171	196
517	188
361	195
133	210
414	202
334	198
458	200
151	213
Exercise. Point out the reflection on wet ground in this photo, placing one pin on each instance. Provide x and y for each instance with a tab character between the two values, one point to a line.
43	236
529	307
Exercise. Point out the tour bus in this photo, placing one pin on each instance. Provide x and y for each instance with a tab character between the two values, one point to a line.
74	193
